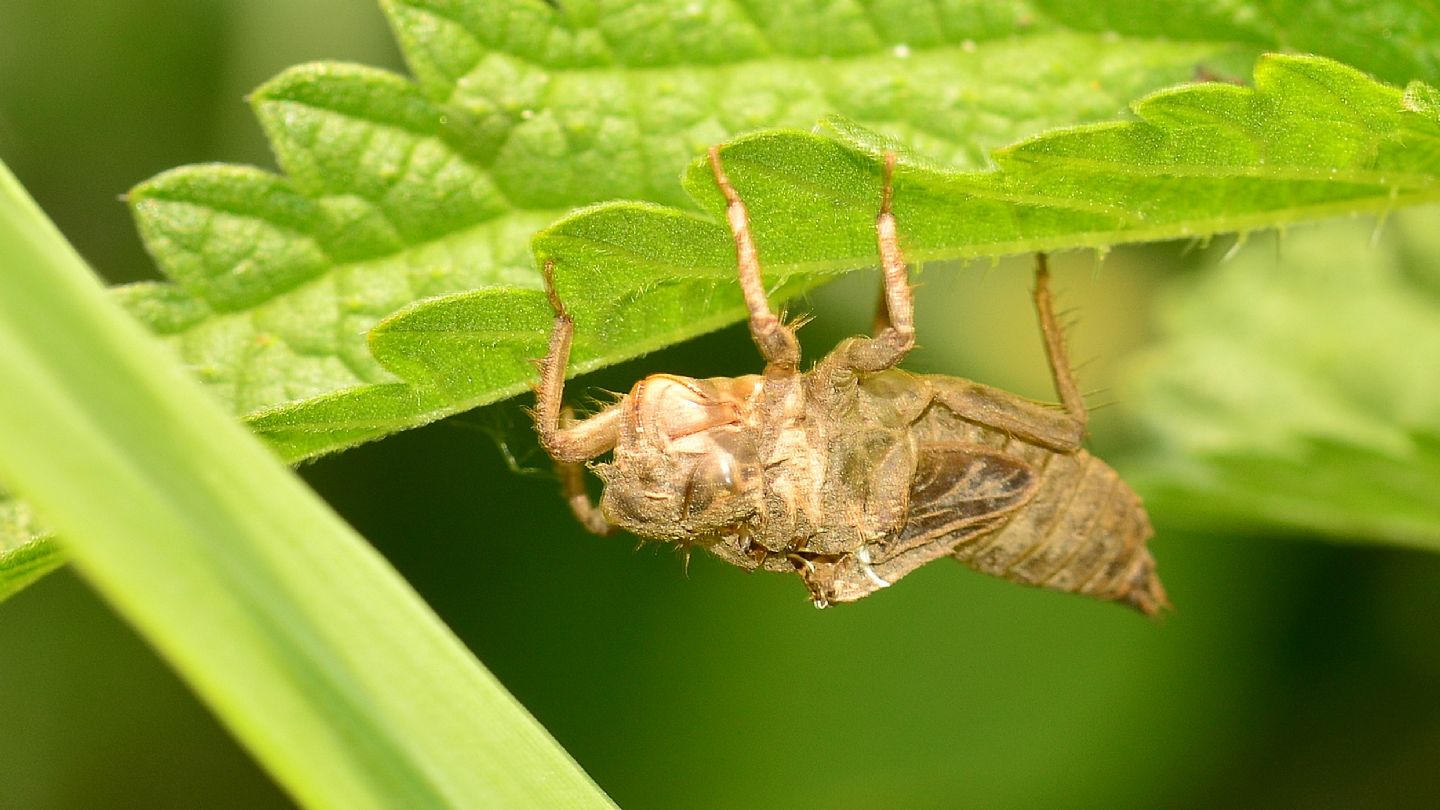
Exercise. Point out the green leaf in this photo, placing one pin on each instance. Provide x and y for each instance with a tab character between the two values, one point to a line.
1301	395
1314	138
1396	41
396	191
26	554
312	650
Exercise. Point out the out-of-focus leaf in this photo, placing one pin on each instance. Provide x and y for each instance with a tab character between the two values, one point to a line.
1301	393
26	554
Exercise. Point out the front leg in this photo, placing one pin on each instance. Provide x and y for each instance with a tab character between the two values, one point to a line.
572	483
570	443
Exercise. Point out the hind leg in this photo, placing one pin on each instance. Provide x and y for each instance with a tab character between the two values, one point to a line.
1055	353
1062	429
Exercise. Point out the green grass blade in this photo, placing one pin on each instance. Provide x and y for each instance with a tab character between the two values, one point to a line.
306	643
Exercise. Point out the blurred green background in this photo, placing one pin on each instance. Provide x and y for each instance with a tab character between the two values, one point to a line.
1294	673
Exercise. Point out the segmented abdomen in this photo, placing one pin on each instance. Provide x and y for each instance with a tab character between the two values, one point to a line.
1084	531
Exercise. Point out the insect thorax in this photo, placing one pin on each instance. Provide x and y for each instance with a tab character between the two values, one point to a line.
769	458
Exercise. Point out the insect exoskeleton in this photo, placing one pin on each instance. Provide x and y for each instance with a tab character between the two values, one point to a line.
855	473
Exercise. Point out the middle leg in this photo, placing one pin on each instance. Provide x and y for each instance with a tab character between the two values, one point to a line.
776	341
894	330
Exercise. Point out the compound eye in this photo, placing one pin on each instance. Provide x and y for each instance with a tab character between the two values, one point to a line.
727	469
712	479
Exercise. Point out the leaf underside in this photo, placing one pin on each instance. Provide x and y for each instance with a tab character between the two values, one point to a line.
395	191
1312	139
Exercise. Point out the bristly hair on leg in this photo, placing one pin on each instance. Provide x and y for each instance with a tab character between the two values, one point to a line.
800	321
1109	403
593	398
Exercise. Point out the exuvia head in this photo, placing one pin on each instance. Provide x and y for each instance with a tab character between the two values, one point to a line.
686	466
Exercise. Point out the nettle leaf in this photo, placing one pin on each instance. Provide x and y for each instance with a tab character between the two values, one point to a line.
1313	138
396	191
1300	394
1395	40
